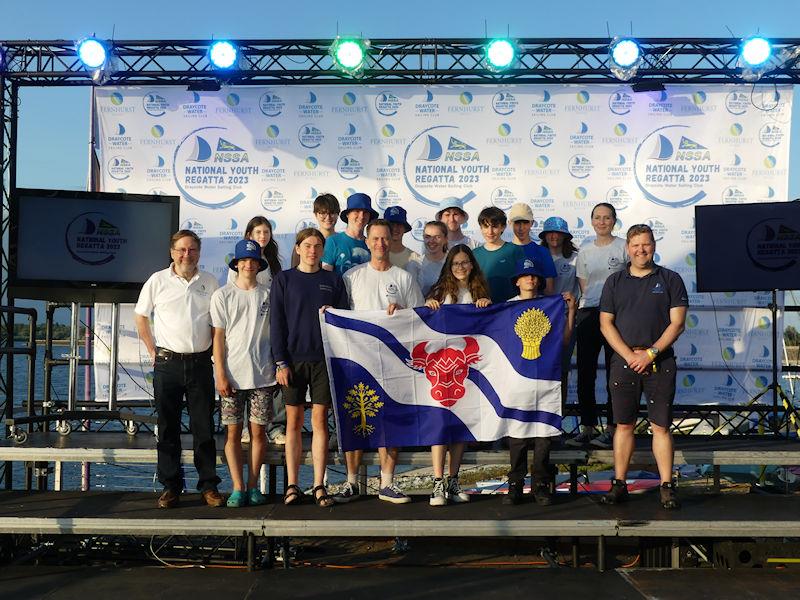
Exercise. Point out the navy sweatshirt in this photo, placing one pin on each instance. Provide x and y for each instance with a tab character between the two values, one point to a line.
295	301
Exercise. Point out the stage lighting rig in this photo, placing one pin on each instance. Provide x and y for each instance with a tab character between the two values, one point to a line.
223	55
97	57
349	54
500	54
625	58
755	58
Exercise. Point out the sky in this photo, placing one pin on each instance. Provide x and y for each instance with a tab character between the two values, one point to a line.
53	144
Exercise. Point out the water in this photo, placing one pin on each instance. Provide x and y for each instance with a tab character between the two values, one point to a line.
115	476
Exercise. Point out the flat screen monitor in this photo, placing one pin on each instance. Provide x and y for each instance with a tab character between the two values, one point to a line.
71	246
748	247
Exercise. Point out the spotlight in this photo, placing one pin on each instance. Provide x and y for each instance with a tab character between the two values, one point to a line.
625	58
97	57
92	52
349	55
755	58
223	55
500	54
756	51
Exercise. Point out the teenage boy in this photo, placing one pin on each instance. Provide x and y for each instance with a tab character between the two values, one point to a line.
520	216
243	367
452	214
345	250
399	255
297	296
498	259
379	285
530	281
326	212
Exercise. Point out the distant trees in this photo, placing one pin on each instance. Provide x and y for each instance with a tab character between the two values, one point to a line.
60	332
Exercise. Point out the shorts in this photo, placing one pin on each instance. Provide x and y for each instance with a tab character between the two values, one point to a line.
626	388
308	376
259	406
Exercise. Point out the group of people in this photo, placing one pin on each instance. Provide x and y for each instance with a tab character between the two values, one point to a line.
262	329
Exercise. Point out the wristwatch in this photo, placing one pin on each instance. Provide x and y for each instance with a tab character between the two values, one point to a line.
652	352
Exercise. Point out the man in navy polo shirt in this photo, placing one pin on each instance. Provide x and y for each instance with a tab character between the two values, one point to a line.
642	314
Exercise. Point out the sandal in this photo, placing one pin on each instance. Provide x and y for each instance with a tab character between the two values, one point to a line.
293	495
325	500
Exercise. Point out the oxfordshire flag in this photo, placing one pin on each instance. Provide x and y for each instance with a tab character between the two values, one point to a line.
459	374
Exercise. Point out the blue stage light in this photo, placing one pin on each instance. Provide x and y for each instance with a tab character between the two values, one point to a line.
223	55
92	53
625	52
500	53
756	51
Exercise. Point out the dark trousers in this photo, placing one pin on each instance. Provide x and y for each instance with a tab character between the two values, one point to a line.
590	341
190	377
518	448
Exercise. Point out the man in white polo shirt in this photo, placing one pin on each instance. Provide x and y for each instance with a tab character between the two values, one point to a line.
179	298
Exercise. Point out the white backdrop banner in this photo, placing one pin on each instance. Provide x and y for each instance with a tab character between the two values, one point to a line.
245	151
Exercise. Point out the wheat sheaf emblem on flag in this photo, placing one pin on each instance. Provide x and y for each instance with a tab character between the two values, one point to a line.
531	327
362	403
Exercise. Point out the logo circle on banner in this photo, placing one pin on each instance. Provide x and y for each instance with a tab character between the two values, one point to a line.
450	169
91	239
207	164
667	162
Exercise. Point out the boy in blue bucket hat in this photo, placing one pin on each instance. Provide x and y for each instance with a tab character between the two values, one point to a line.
451	212
244	371
347	249
399	255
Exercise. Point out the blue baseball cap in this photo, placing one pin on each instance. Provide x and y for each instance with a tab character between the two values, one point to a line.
528	267
451	202
359	201
247	249
556	225
397	214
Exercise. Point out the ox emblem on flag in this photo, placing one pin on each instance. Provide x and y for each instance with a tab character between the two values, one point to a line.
362	402
531	327
446	369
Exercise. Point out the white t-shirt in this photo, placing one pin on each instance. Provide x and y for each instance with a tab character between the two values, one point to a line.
566	280
429	272
595	264
466	240
464	297
181	320
402	258
244	315
370	289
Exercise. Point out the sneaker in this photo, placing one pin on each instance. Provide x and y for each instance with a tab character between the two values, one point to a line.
582	439
514	495
237	499
438	496
542	494
349	491
255	497
245	436
604	440
454	491
669	496
617	494
279	439
393	494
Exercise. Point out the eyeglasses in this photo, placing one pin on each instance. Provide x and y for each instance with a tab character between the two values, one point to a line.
461	264
183	251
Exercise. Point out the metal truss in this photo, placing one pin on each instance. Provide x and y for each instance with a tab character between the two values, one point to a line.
462	61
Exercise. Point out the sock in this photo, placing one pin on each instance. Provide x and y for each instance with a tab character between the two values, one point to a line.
352	478
386	479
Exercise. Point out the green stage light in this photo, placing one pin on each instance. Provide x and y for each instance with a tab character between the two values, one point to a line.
349	54
500	54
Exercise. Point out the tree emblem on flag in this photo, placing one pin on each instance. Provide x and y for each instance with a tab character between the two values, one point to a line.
446	369
361	402
531	327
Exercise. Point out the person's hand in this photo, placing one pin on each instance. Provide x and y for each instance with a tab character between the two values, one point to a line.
392	308
322	309
569	298
482	302
639	361
223	385
433	304
284	376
